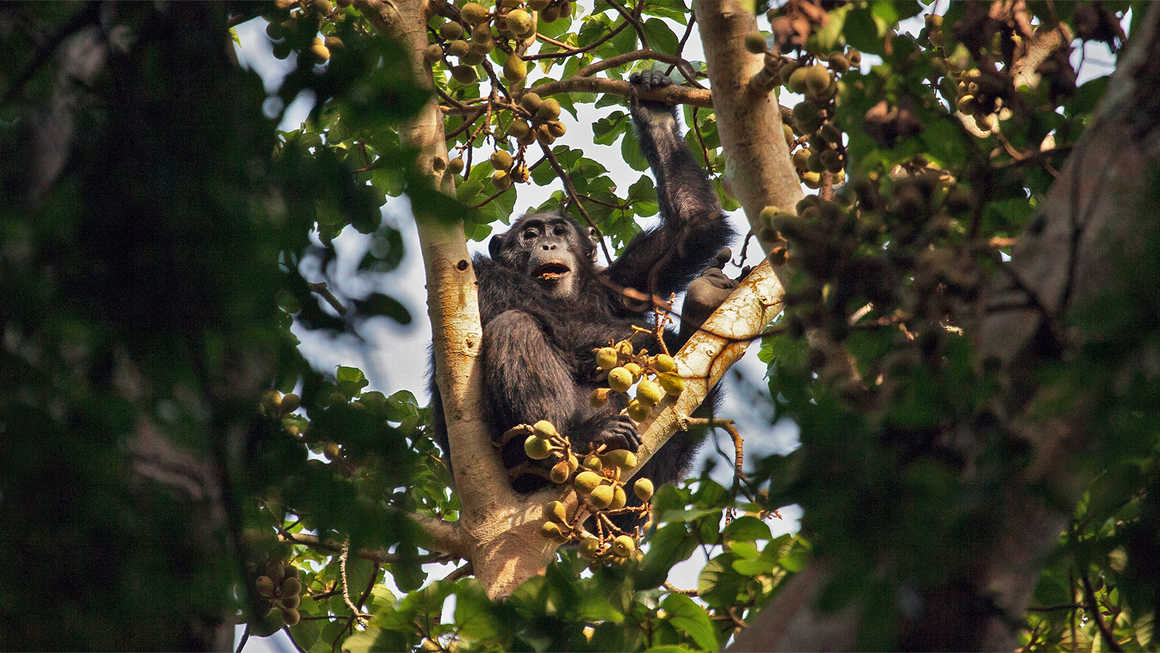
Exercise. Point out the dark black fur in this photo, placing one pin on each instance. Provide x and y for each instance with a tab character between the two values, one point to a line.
539	331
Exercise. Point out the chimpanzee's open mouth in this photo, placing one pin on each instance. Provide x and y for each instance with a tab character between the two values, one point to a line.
551	271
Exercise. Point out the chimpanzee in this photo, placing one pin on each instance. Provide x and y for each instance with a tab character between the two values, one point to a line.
545	305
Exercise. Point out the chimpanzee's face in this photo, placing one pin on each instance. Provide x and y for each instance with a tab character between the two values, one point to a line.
548	248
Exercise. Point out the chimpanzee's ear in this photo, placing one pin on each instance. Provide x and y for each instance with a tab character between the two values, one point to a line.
495	246
593	240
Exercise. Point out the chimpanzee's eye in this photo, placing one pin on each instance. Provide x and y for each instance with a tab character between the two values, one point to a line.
560	230
530	233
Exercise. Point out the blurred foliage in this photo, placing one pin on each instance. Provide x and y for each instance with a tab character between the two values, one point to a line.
150	292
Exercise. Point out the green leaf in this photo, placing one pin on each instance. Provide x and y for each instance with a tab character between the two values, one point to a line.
829	37
385	305
669	545
752	567
746	528
688	617
475	614
884	11
795	560
630	150
609	128
350	380
660	37
306	632
675	9
862	30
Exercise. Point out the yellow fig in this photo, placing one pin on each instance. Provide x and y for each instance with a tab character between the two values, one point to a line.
643	489
586	482
755	42
601	496
537	448
672	384
619	498
457	48
664	363
638	411
531	102
560	472
622	458
473	13
520	22
265	585
290	402
623	545
599	397
619	379
549	109
518	128
624	348
544	429
606	358
464	75
501	160
501	180
817	79
635	370
451	30
515	69
649	392
557	511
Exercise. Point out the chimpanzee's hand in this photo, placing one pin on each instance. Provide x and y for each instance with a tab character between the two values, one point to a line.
705	294
619	433
644	82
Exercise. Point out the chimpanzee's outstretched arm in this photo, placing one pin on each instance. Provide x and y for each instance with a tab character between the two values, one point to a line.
665	259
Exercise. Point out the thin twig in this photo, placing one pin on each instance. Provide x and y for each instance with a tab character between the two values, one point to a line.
322	289
673	588
684	39
345	585
636	26
461	572
574	51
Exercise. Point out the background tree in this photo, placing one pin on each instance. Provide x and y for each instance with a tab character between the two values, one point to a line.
967	338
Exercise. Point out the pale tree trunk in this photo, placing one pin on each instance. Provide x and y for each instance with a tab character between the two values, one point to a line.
1090	229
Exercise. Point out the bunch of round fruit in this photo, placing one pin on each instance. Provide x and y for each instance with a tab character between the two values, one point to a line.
545	442
603	493
275	404
480	30
655	377
282	587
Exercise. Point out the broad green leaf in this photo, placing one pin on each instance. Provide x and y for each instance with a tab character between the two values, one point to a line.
691	619
746	528
660	37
